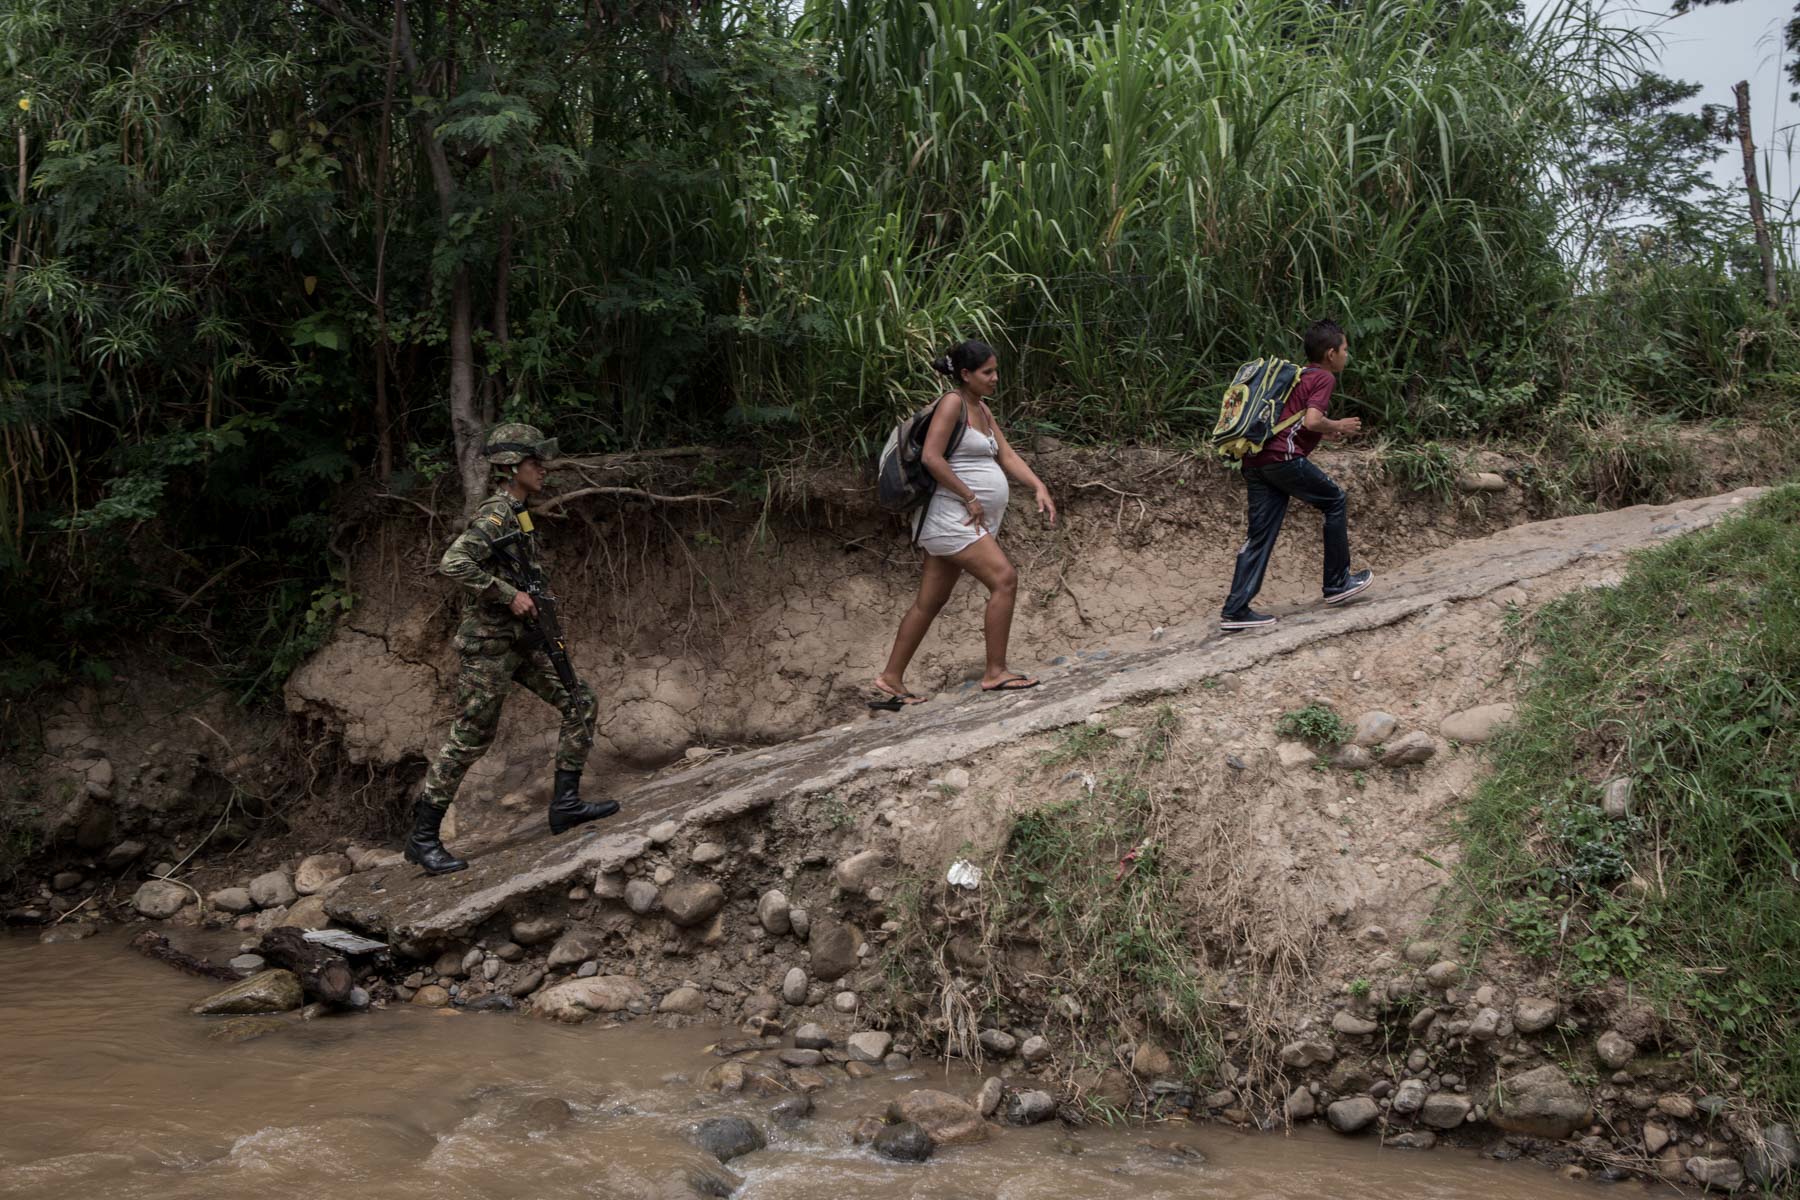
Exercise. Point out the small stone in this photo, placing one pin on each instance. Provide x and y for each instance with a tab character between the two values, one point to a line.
65	881
1035	1049
1445	1110
1444	974
812	1036
1409	1097
1486	1025
526	983
870	1046
794	1056
793	986
1679	1107
844	1002
1352	1115
1533	1014
158	898
1614	1049
1408	749
684	1001
1541	1102
905	1141
1300	1105
1374	728
998	1042
1031	1107
773	911
1771	1162
1480	481
576	1000
688	904
609	885
1347	1022
1655	1138
791	1111
536	930
988	1098
706	853
641	896
662	833
317	870
856	1069
1615	799
834	946
857	873
449	965
1477	725
1307	1053
801	920
956	779
1716	1174
247	964
232	900
1351	757
570	948
1412	1139
948	1120
490	969
726	1138
431	996
1421	953
587	970
124	854
268	992
308	912
1294	755
510	952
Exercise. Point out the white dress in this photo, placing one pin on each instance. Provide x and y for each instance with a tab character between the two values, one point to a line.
940	525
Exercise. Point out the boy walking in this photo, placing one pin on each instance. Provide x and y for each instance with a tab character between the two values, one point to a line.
1281	470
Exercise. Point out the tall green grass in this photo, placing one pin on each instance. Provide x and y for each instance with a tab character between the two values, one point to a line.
1685	678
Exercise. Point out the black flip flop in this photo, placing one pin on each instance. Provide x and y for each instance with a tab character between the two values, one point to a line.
1014	683
892	703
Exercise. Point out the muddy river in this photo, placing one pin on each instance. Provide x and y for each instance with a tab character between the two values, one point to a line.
110	1089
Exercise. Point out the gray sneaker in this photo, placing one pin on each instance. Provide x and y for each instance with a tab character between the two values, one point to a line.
1355	584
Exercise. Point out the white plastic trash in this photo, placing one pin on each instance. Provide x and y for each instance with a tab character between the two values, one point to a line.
964	874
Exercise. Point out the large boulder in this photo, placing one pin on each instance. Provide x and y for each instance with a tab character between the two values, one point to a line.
160	898
577	1000
834	946
946	1119
269	992
1540	1102
691	903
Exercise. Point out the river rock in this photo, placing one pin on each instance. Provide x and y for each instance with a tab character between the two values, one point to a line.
726	1138
1412	1139
1540	1102
432	996
1770	1163
1614	1049
1486	1025
684	1001
794	1056
845	1002
528	981
833	945
857	873
570	949
1408	749
812	1036
706	853
1308	1052
1352	1115
988	1098
801	920
232	900
1347	1022
123	854
948	1120
1445	1110
1675	1105
1035	1049
793	986
870	1046
1351	757
1374	728
1444	974
1476	725
1301	1105
1409	1097
317	870
577	1000
1615	799
536	929
268	992
160	898
906	1141
1294	755
449	965
1480	481
662	833
1534	1014
247	964
1716	1174
245	1029
641	897
998	1042
273	890
772	911
790	1112
691	903
308	912
1031	1107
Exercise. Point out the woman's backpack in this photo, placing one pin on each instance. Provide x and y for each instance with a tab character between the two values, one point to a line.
901	481
1249	414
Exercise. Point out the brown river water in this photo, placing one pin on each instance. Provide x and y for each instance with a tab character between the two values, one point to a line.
108	1088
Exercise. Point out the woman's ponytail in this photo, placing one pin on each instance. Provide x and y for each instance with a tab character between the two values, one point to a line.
966	355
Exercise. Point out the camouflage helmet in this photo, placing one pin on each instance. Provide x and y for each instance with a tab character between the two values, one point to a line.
510	444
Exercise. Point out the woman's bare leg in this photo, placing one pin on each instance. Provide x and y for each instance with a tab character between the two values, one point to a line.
934	590
988	563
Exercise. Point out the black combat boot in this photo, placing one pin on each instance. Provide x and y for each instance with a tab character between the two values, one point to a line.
425	847
566	808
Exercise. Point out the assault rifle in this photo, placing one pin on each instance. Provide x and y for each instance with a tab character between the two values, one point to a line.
528	579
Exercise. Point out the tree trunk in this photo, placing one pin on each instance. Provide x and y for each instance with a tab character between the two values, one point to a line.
324	974
1763	246
384	422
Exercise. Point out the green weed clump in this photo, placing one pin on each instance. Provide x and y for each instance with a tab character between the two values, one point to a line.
1685	678
1316	723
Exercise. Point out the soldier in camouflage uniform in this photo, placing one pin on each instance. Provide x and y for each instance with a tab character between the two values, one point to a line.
500	647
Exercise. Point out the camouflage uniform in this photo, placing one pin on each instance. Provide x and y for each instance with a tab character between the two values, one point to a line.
498	649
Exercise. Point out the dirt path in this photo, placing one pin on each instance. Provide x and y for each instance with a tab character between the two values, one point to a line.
956	726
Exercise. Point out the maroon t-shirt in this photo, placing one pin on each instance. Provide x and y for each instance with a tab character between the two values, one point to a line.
1296	441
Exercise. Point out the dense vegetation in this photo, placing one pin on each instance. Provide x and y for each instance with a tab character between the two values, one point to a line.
1684	680
257	252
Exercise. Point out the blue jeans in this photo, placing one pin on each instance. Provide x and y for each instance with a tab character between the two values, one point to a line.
1269	488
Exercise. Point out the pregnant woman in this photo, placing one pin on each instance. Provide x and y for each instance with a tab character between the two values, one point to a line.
958	528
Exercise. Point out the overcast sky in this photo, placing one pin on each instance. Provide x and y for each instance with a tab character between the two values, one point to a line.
1717	46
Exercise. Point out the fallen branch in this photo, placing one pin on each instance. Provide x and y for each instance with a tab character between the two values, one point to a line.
155	945
1093	483
578	493
323	973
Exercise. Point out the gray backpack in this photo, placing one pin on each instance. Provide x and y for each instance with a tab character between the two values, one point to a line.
902	483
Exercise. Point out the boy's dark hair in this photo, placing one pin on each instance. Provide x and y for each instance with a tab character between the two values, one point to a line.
1321	338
